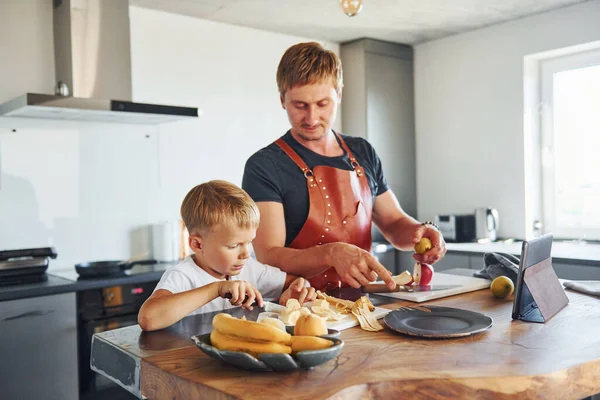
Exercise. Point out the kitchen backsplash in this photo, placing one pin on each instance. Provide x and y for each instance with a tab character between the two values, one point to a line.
92	190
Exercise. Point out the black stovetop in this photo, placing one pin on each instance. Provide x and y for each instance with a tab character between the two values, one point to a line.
136	270
65	280
23	279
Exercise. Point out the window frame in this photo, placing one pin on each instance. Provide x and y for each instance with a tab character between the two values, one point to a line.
549	67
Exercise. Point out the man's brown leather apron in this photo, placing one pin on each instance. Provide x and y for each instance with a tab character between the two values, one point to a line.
340	211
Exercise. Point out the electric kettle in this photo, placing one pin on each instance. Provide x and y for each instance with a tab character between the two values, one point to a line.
486	223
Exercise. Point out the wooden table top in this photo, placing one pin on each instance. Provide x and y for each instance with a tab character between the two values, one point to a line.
558	359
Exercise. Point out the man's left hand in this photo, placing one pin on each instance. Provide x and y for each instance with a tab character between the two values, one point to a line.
438	249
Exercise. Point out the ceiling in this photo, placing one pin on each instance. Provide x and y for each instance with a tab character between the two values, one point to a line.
401	21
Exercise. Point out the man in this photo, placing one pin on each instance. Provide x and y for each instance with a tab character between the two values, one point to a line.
318	191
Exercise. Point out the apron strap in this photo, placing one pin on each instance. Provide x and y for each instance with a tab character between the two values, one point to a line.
295	157
302	165
353	161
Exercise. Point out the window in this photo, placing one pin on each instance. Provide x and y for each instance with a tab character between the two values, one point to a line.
570	144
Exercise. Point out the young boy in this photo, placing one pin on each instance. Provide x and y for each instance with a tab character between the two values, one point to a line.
221	220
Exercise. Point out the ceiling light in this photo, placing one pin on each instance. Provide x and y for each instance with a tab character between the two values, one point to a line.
351	7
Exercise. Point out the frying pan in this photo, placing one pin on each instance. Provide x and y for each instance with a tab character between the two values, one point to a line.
96	269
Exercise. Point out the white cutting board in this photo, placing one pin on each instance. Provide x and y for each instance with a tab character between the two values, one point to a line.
347	322
466	284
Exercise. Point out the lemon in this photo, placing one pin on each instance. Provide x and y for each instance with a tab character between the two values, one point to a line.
423	246
502	287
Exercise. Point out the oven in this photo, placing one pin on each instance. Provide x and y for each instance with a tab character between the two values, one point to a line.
100	310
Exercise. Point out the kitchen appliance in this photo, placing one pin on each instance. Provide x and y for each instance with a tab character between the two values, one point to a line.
105	303
387	255
486	224
24	266
93	70
100	310
98	269
167	240
457	228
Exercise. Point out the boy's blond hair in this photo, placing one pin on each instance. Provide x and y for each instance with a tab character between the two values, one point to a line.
308	63
216	202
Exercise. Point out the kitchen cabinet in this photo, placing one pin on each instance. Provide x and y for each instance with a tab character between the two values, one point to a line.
39	348
405	261
378	105
576	272
389	259
452	260
476	261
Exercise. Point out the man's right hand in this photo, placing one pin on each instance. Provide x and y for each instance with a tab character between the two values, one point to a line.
242	293
357	267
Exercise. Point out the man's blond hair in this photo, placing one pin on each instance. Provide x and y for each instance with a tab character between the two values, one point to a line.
308	63
216	202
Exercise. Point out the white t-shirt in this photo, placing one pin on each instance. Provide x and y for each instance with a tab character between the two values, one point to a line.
186	275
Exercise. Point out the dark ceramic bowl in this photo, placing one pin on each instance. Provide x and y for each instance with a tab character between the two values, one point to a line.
271	362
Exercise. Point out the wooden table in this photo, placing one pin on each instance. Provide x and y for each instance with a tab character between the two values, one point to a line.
559	359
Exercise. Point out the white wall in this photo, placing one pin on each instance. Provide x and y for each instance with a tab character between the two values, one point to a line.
469	113
227	71
91	189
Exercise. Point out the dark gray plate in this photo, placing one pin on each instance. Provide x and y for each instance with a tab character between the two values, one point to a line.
271	362
437	322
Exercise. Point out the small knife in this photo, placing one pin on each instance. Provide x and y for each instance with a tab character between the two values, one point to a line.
382	288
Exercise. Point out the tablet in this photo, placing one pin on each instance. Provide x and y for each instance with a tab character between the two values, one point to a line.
532	252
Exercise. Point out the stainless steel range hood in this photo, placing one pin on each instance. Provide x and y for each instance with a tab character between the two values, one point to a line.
93	70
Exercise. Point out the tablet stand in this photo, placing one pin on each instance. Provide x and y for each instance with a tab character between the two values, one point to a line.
547	294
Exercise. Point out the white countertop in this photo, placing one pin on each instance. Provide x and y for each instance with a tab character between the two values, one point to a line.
575	251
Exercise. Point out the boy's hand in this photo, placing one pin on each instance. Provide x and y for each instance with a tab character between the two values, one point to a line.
297	290
242	293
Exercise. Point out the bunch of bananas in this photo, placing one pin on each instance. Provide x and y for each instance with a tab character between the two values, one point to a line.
256	338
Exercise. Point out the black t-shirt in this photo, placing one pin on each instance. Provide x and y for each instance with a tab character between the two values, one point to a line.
271	175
